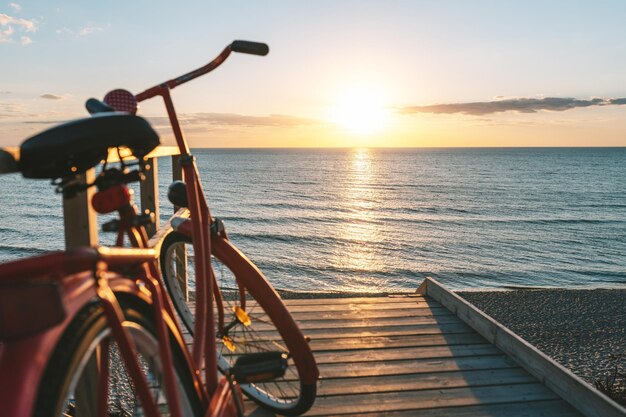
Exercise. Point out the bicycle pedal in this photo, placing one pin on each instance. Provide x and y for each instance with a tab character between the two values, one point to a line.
259	367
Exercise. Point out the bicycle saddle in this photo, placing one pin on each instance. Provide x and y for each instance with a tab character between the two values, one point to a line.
76	146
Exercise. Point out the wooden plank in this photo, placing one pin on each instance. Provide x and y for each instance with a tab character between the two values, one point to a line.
149	190
415	400
571	388
302	314
388	330
415	382
360	307
79	218
367	356
366	314
352	343
353	300
416	366
335	344
551	408
259	323
430	352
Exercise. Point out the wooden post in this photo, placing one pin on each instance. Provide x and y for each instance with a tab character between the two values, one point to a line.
81	229
149	190
177	170
81	226
181	253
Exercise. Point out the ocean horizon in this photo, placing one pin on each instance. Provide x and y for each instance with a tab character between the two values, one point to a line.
382	219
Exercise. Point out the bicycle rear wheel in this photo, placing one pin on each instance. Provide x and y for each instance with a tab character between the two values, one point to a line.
62	392
254	320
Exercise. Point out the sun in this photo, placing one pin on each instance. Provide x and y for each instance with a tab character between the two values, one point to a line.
360	110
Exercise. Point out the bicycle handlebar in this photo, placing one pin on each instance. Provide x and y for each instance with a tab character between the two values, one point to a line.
246	47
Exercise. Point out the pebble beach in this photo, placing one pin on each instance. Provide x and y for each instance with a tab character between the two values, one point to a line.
584	330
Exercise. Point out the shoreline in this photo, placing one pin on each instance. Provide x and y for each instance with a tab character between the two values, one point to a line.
303	294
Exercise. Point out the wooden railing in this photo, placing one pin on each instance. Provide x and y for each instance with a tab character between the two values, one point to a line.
79	218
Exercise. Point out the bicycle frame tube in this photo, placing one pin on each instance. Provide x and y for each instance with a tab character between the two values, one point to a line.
204	332
161	304
173	83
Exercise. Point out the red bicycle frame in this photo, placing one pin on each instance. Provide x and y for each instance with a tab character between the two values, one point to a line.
201	220
77	276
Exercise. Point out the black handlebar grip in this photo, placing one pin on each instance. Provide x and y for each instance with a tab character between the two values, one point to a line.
95	106
247	47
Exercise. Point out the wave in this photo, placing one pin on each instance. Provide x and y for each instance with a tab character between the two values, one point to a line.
23	251
308	240
436	210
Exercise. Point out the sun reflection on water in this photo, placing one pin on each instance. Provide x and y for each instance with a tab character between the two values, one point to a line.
358	231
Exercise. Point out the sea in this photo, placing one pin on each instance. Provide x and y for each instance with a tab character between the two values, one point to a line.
381	220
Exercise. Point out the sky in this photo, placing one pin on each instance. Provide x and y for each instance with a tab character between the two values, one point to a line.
339	73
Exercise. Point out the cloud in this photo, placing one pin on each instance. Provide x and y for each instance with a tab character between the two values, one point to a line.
520	105
16	7
25	24
233	119
10	107
89	30
51	96
9	24
6	35
13	110
82	32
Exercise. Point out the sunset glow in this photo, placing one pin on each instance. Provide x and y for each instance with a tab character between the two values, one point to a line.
361	111
419	74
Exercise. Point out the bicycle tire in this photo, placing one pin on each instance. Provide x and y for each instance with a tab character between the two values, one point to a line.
79	342
272	326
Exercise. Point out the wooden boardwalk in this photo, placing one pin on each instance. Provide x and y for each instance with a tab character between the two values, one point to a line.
431	355
411	356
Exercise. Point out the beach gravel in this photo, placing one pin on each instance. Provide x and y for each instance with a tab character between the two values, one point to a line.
584	330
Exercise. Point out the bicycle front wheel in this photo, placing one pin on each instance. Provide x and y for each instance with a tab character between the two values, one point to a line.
70	383
254	319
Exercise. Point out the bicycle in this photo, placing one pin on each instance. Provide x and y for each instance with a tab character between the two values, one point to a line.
68	318
250	315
